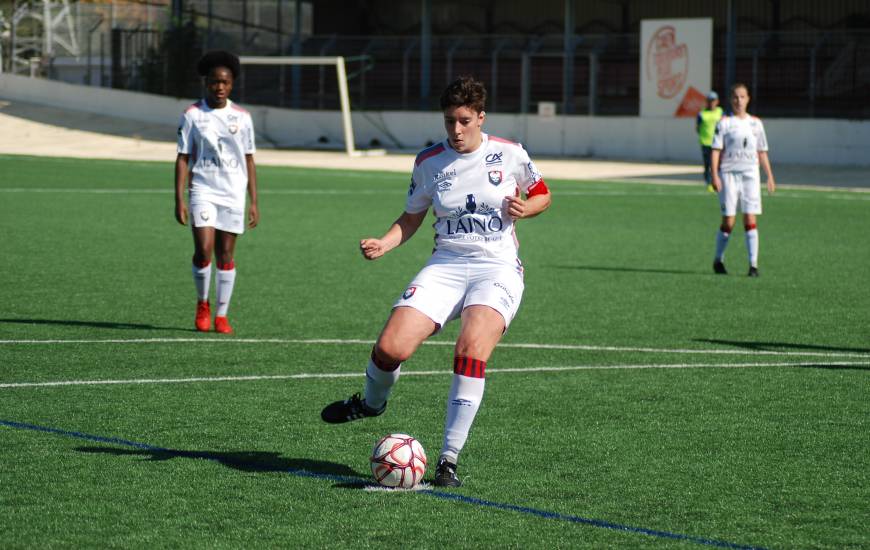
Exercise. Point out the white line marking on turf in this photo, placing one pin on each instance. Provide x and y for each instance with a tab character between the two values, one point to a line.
327	375
575	347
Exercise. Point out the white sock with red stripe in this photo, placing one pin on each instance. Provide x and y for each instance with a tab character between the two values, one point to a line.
202	279
224	283
721	243
752	244
380	379
466	394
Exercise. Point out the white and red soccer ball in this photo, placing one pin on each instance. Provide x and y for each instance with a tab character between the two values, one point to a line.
398	460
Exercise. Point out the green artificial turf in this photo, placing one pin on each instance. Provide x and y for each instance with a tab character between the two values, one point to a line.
638	400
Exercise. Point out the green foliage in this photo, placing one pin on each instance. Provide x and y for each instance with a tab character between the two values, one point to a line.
761	438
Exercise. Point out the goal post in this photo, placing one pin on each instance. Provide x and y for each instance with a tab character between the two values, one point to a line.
344	97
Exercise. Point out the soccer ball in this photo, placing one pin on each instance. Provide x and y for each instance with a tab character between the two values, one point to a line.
398	460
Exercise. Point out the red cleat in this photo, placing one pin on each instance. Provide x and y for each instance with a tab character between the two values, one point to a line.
203	316
222	325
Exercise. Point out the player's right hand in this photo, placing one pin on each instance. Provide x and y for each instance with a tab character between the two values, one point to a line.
181	213
372	248
717	183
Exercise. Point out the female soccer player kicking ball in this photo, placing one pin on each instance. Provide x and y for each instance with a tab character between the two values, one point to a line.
475	184
215	163
739	145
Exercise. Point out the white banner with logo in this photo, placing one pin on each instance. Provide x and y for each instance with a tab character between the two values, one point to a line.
675	66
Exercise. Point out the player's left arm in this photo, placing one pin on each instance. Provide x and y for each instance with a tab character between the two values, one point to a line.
253	209
537	195
764	160
534	203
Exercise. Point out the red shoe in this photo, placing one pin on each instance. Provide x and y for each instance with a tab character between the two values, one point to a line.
203	316
222	325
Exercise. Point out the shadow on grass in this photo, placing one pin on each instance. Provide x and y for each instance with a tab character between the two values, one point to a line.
778	346
93	324
629	269
246	461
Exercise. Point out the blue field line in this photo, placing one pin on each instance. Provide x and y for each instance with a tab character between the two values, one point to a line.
437	494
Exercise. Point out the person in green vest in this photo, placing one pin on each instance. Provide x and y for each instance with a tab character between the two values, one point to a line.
705	125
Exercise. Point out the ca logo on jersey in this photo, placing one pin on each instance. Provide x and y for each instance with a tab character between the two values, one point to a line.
493	159
495	176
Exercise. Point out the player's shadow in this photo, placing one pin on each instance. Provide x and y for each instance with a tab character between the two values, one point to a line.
620	269
93	324
780	346
246	461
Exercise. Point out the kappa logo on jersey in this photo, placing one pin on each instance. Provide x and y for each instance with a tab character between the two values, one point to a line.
412	187
409	292
495	176
493	159
533	172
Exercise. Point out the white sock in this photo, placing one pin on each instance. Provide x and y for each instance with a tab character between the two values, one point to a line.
721	243
224	282
202	278
465	397
752	246
379	384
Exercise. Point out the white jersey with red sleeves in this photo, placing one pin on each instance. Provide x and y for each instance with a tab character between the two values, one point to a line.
467	195
217	141
740	140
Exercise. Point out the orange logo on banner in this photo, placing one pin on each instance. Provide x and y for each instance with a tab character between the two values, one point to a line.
669	60
691	104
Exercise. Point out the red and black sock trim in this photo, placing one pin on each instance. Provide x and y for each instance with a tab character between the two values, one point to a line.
202	264
383	365
750	226
227	266
466	366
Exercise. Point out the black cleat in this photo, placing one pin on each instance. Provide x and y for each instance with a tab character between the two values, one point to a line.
753	272
353	408
719	267
445	474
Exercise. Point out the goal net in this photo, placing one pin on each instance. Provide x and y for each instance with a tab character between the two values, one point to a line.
344	98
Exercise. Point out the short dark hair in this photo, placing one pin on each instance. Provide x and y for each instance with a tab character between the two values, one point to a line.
218	58
465	91
739	85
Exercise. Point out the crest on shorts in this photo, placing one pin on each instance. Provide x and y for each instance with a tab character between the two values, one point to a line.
495	176
409	292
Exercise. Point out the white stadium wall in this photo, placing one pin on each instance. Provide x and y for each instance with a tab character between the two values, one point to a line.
798	141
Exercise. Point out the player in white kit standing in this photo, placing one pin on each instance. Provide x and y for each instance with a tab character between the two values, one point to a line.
215	163
739	145
477	186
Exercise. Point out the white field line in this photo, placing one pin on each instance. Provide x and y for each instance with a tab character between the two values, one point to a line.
360	374
324	341
844	194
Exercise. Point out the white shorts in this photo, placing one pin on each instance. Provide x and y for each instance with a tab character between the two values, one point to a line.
446	286
743	188
208	214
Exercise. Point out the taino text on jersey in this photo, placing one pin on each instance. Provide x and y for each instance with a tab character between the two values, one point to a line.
467	195
740	140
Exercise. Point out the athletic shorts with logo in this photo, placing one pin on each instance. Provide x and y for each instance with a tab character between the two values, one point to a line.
448	284
225	218
741	189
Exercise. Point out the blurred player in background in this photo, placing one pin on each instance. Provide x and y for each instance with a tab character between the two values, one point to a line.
477	186
739	146
705	125
215	163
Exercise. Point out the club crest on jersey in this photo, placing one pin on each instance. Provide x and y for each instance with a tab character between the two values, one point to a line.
409	292
495	176
233	128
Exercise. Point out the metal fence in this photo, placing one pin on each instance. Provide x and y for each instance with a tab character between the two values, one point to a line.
807	73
